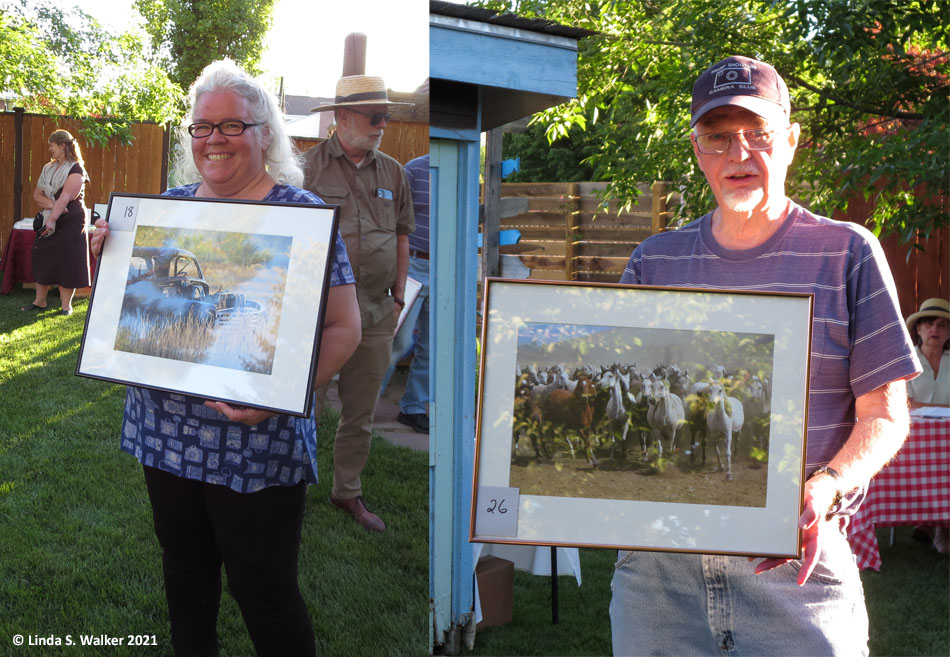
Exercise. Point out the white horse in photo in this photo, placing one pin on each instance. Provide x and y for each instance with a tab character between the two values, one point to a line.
666	415
618	419
723	421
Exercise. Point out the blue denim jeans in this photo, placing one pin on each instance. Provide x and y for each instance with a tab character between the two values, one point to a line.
691	604
414	330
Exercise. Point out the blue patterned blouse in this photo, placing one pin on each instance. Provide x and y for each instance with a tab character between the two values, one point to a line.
179	434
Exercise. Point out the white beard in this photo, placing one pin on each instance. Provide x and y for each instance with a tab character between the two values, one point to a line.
368	143
743	200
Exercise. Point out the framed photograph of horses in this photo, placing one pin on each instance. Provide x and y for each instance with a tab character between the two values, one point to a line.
641	417
222	300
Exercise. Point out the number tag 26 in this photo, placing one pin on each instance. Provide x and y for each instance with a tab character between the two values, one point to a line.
497	512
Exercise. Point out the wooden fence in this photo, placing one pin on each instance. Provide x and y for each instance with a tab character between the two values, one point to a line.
139	168
567	235
921	268
570	233
136	168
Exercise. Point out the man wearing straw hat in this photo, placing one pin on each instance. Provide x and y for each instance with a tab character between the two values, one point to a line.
375	221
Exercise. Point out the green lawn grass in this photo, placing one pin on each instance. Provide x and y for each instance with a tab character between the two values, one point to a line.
78	556
77	550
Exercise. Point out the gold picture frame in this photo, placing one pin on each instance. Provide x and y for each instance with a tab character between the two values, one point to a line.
556	468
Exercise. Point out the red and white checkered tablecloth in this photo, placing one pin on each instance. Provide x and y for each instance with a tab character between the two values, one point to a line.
914	489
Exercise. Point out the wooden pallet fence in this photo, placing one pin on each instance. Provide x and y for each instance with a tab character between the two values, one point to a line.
571	233
568	233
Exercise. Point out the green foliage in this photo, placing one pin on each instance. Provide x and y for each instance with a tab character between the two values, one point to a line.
209	247
563	160
64	62
241	249
868	80
187	35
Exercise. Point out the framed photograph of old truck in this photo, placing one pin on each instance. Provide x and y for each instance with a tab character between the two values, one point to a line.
647	418
218	299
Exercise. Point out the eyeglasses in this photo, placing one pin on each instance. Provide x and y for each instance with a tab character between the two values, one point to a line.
716	143
226	128
376	117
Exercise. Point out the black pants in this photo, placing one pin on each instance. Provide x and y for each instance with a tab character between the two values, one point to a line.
256	536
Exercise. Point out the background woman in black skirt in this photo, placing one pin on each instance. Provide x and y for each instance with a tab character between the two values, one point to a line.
60	253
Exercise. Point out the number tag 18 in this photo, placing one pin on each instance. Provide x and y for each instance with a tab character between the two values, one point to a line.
497	511
122	213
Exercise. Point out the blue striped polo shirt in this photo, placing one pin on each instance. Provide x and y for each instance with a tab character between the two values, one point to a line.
417	173
859	341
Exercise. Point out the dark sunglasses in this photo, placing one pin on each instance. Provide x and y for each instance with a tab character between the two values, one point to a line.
376	117
227	128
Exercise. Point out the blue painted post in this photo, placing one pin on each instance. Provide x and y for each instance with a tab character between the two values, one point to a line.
454	189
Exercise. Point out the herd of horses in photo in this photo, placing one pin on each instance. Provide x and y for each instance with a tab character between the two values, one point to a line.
597	410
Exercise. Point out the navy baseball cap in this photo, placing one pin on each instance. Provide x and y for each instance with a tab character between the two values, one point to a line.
744	82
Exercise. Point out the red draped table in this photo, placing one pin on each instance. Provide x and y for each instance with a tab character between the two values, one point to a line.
17	259
914	489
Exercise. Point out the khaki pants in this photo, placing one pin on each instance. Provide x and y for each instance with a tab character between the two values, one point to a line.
359	383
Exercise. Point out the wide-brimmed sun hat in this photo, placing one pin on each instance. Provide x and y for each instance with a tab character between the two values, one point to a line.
356	90
930	308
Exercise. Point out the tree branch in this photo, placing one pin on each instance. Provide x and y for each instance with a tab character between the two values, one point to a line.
867	109
924	62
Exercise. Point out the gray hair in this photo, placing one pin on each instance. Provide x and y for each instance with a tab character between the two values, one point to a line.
281	158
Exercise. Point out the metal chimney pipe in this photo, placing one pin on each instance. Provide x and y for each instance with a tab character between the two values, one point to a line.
354	54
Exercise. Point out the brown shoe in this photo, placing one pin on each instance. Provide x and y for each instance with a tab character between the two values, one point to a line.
356	507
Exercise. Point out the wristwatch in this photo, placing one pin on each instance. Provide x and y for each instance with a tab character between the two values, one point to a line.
839	495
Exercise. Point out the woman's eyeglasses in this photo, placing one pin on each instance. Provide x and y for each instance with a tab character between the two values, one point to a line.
376	117
227	128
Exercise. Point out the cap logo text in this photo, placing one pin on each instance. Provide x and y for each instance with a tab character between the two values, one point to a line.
731	76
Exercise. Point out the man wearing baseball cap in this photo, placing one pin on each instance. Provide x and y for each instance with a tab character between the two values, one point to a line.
759	239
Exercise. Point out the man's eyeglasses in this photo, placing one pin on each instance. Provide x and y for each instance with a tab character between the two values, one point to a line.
716	143
226	128
376	117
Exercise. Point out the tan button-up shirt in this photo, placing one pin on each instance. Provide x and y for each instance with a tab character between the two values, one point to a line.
375	206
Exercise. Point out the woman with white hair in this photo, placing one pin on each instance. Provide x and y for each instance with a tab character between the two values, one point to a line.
60	252
232	504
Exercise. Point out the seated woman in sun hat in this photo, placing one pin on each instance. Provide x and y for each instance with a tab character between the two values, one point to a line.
928	329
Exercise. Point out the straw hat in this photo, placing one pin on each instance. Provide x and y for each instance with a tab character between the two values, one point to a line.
355	90
929	308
